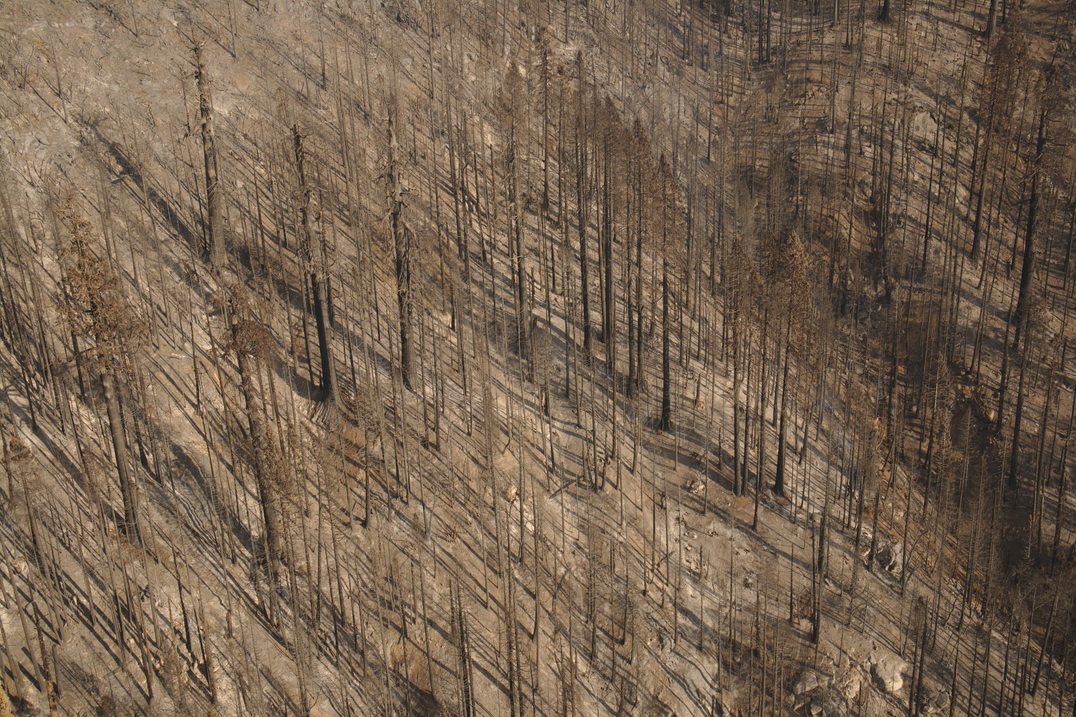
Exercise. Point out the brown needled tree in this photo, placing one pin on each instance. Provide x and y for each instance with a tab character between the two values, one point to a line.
101	316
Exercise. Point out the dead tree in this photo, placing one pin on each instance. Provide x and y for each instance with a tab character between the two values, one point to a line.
250	341
670	227
582	199
401	244
514	126
99	313
313	267
215	249
1027	269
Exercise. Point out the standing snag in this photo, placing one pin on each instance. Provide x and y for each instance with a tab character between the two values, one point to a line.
251	343
524	358
402	241
100	315
314	265
216	248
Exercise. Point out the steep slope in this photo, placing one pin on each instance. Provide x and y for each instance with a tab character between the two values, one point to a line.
610	358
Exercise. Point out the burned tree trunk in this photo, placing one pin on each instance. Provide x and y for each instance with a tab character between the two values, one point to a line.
581	199
215	249
248	340
119	447
313	265
128	491
401	242
516	244
779	475
666	378
1028	268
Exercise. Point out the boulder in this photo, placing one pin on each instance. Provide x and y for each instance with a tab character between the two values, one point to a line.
935	701
827	702
865	543
848	684
809	681
924	127
888	670
723	705
890	557
695	486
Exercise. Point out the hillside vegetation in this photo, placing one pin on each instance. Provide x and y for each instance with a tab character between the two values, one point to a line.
627	357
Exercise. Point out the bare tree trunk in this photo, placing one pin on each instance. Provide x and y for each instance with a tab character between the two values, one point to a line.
128	490
1028	268
779	476
580	208
991	19
214	196
265	459
312	264
666	380
401	242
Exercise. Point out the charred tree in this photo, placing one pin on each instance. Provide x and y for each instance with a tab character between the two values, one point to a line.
216	250
401	244
313	267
